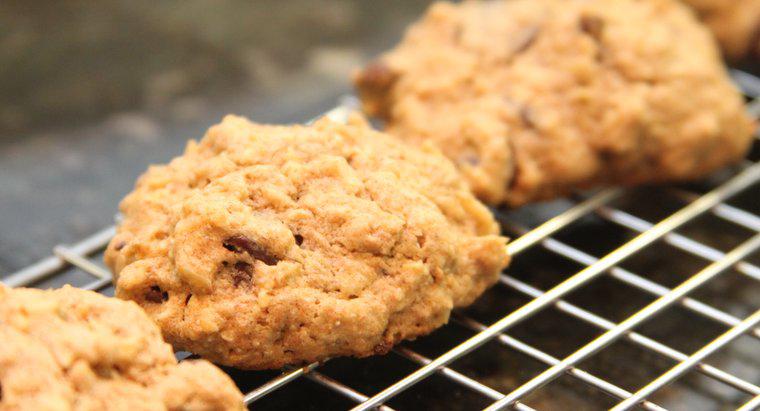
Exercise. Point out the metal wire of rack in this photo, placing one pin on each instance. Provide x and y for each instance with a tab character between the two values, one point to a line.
544	236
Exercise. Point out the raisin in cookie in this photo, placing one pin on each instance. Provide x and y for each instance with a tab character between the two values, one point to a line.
535	98
71	349
270	245
735	23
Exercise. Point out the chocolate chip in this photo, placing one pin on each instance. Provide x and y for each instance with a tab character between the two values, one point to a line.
592	25
230	247
298	238
526	38
527	117
119	245
243	273
239	243
187	299
156	295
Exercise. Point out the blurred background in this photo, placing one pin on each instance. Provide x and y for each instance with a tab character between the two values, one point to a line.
92	92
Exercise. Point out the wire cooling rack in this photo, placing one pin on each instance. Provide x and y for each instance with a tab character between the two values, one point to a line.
695	249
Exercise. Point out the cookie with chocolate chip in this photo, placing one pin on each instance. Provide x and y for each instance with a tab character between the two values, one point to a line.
533	99
264	245
70	349
735	23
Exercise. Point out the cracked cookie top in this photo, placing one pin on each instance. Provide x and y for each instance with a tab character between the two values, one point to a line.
70	349
270	245
533	99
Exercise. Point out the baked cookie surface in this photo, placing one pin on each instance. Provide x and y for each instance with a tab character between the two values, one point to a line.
71	349
735	23
533	99
263	246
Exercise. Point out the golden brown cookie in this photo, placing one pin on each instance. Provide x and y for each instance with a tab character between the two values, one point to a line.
71	349
270	245
735	23
533	99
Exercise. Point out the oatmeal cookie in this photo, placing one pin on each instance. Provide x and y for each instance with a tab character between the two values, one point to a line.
735	23
533	99
70	349
267	245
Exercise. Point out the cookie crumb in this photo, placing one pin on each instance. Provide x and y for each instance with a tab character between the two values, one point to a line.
382	348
